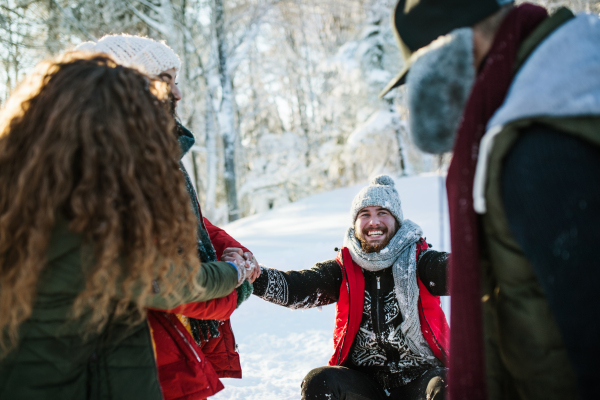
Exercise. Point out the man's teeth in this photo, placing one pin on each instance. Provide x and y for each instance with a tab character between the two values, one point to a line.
375	233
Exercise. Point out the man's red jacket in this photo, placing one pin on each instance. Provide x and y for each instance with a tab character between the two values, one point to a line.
349	311
187	371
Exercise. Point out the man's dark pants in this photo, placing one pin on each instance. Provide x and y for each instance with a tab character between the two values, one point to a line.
341	383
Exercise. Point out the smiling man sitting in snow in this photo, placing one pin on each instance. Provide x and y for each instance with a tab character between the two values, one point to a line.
391	335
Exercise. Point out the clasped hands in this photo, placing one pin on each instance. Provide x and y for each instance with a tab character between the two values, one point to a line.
248	268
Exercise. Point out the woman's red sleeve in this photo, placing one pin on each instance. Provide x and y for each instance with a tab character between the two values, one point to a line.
219	309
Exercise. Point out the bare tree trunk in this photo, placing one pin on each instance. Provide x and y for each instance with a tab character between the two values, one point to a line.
296	81
12	56
303	122
401	147
211	156
226	115
168	20
309	71
53	44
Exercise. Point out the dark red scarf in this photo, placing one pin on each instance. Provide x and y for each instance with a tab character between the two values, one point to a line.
467	368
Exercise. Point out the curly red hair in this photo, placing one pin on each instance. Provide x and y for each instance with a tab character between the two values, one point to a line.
93	142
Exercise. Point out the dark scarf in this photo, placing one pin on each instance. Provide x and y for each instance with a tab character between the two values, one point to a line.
206	251
203	330
467	366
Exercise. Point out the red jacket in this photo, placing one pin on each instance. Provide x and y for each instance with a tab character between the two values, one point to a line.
221	351
221	239
349	311
187	371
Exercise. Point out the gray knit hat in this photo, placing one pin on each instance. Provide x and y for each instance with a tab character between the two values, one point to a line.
380	192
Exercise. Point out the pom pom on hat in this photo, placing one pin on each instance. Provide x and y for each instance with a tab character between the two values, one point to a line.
384	180
381	192
146	54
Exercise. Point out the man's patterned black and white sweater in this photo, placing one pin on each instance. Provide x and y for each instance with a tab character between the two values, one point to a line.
380	348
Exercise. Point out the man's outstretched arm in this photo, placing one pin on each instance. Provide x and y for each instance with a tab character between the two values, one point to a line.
317	286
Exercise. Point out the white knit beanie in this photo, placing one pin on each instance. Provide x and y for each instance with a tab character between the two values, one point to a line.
380	192
148	55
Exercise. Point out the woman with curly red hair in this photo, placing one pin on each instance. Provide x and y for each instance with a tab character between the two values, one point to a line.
95	227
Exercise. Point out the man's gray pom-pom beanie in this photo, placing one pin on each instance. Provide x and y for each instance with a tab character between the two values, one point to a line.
381	192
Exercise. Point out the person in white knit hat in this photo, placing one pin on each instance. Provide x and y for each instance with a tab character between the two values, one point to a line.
208	336
151	57
391	336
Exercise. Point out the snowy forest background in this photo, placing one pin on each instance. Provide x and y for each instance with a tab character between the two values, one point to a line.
282	95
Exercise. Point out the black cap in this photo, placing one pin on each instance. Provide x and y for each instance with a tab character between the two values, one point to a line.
416	23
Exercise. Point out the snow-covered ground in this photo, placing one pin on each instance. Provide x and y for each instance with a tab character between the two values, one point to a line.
279	346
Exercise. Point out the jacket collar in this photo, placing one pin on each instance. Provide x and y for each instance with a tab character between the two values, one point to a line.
186	139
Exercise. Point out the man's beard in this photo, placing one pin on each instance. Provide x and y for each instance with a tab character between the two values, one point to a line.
439	83
374	248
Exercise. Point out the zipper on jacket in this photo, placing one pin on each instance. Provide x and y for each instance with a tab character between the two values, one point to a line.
377	306
378	324
186	341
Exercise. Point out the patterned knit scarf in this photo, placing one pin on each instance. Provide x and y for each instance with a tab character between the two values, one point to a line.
400	253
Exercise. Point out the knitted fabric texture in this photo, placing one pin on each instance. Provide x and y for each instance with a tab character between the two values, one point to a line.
148	55
381	192
400	254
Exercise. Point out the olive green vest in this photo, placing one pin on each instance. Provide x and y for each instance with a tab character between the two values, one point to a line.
54	360
525	355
